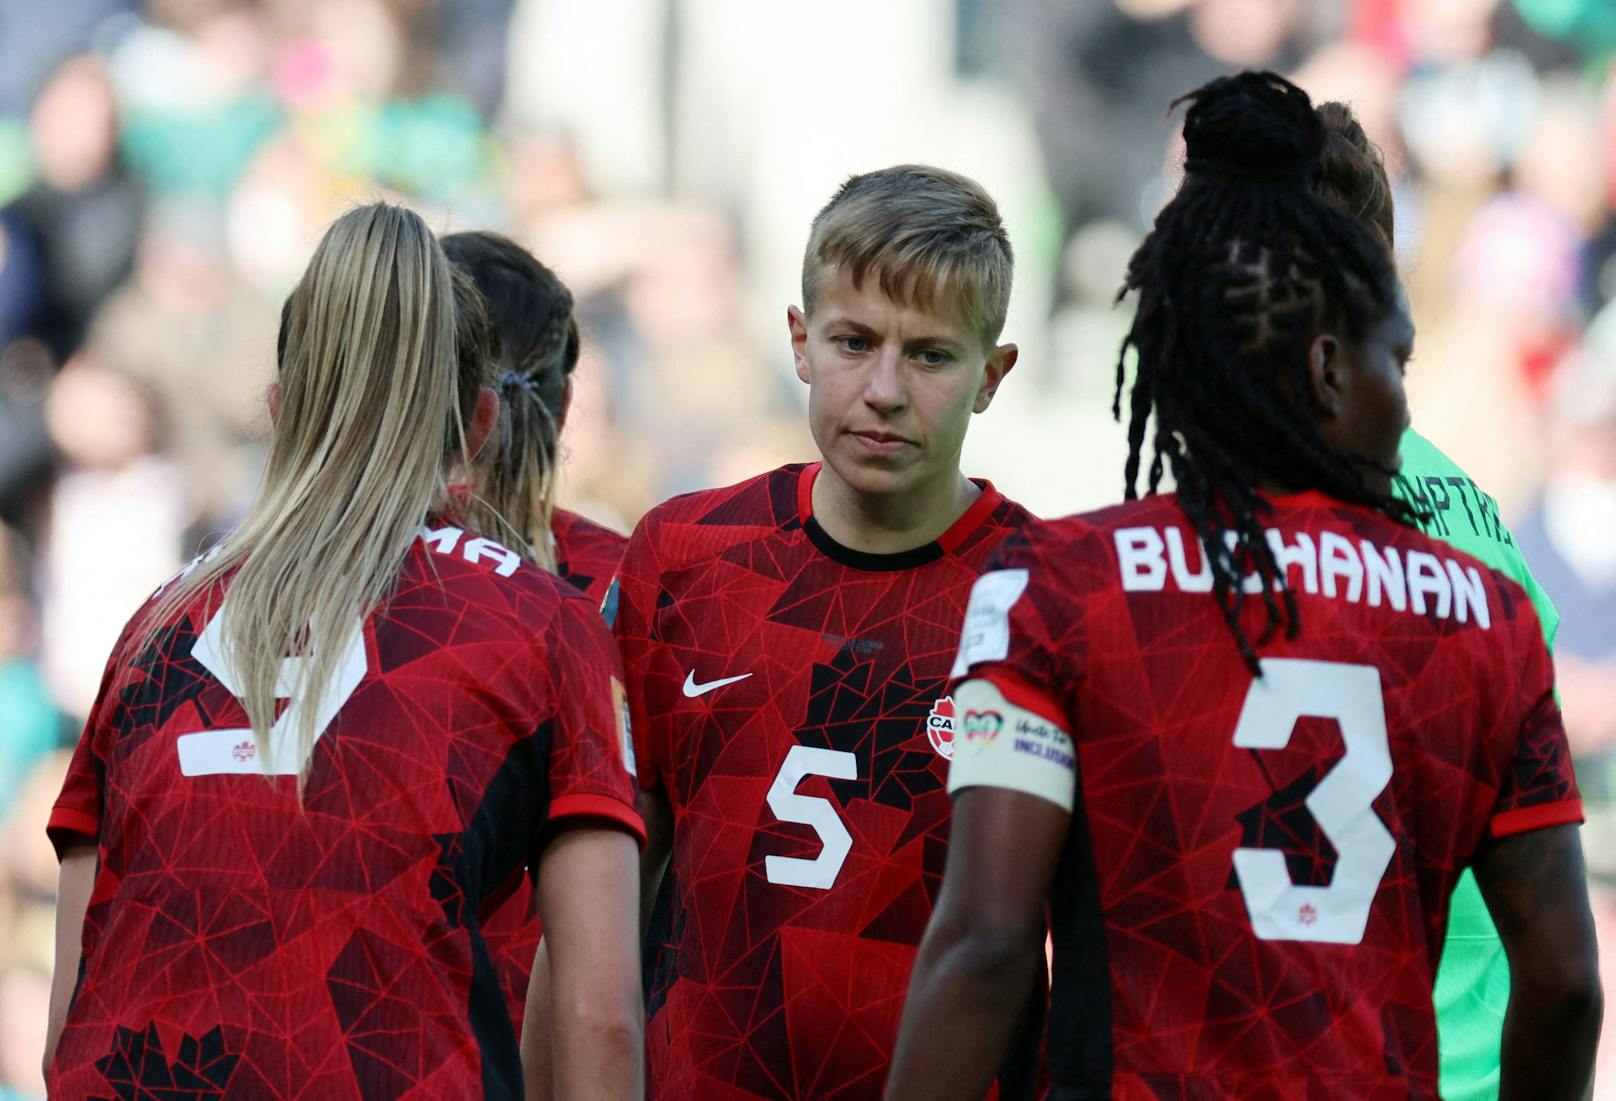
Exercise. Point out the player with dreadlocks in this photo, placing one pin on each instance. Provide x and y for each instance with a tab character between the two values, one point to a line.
1229	393
1248	849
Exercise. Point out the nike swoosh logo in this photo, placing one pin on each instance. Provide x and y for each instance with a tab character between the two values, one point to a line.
692	689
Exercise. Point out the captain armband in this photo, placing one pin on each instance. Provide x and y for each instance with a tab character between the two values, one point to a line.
1000	745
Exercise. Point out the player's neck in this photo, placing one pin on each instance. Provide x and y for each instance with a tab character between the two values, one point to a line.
889	523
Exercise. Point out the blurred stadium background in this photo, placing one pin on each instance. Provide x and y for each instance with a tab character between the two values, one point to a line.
166	167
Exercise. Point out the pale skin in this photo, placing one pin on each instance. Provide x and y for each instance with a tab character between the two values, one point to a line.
892	389
587	901
73	885
588	886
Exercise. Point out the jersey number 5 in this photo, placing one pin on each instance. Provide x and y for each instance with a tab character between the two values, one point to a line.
811	811
1340	804
232	750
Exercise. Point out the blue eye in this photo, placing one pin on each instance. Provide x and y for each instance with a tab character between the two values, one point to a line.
853	344
931	357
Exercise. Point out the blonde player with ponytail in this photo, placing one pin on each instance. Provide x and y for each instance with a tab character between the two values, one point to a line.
327	749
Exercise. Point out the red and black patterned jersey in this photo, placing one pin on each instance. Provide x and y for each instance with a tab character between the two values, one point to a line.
586	558
587	554
1254	891
787	697
242	942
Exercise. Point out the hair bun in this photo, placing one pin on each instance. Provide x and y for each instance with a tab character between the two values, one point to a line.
1253	125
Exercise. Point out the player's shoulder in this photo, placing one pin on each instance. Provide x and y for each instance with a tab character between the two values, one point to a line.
1437	560
694	525
1008	517
571	528
1085	534
473	570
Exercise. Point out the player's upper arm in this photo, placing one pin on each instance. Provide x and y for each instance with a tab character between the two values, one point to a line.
1537	785
75	819
591	758
632	602
1536	890
1014	668
1011	742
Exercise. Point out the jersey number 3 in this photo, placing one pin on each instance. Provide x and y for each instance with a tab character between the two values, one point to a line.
1341	803
814	812
232	751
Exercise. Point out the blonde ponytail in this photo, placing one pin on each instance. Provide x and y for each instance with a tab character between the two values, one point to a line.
382	348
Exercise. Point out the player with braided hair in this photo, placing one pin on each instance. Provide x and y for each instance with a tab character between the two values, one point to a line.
1248	850
1256	263
531	313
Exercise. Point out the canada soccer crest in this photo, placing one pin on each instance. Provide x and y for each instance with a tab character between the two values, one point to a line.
940	727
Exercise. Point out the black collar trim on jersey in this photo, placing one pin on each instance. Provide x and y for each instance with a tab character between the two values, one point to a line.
865	560
971	519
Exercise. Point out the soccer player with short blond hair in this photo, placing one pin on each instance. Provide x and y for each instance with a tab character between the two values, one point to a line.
788	641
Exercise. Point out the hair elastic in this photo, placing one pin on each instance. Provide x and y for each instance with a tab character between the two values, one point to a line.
510	379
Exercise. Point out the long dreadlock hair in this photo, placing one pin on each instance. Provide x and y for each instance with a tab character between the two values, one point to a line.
1239	274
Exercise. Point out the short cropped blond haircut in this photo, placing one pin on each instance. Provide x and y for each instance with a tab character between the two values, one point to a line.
932	238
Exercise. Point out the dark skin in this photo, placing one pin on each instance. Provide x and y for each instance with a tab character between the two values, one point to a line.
983	946
1536	890
982	949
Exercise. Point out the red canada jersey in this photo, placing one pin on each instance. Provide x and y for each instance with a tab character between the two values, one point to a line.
586	558
587	554
1254	891
787	697
243	943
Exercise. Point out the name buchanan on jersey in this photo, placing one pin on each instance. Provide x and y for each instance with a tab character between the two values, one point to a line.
1354	570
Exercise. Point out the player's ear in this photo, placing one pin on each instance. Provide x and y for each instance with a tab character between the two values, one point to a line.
1000	360
1326	375
798	323
274	399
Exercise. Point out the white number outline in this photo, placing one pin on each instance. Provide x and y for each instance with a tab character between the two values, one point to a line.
230	751
1342	803
813	811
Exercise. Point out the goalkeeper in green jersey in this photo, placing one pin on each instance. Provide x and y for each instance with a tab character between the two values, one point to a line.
1472	985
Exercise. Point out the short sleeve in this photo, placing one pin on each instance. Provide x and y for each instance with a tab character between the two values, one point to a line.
591	765
630	608
1538	787
1012	685
1019	633
75	819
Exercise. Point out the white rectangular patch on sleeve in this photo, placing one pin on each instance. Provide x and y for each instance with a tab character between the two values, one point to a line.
1000	745
986	636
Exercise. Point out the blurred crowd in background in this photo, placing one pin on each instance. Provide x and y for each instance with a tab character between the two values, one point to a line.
166	168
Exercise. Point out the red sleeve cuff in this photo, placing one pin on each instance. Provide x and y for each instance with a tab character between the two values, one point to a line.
68	826
1024	696
1563	813
599	806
